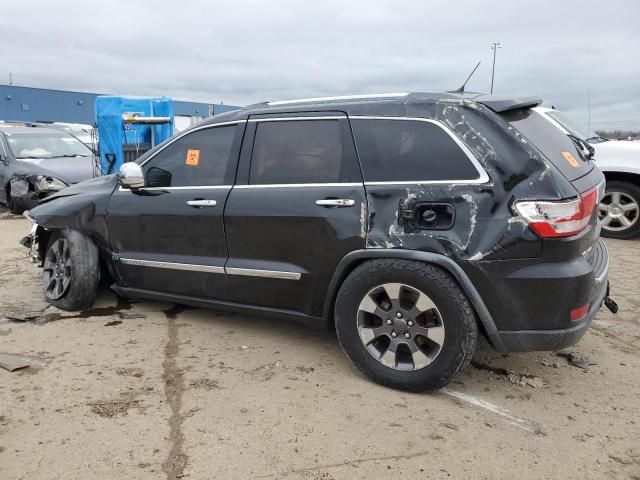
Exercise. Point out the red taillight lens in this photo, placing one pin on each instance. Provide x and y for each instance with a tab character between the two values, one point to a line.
578	313
559	219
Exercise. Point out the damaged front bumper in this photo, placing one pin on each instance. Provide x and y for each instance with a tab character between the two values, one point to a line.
31	241
28	190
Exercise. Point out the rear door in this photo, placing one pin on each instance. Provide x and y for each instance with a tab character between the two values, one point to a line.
169	236
298	208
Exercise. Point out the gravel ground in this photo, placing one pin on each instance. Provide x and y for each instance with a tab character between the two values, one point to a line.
147	390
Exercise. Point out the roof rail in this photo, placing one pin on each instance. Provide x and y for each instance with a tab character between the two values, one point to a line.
344	97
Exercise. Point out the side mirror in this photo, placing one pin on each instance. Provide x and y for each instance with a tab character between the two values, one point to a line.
3	159
131	176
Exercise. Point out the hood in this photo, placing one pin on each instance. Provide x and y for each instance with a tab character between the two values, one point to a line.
105	184
618	146
68	169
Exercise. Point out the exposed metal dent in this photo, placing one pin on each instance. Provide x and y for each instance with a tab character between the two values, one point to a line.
485	227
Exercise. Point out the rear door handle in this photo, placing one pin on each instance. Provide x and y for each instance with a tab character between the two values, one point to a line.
201	203
336	202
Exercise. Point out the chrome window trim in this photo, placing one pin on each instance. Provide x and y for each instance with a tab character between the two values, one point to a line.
289	119
171	265
247	272
187	132
253	272
289	185
341	97
483	177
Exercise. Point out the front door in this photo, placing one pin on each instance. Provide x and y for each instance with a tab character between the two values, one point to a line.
169	236
299	209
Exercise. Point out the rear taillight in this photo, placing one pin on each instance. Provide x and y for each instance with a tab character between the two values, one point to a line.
559	219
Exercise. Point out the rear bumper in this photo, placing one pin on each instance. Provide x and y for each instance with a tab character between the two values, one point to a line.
557	339
530	300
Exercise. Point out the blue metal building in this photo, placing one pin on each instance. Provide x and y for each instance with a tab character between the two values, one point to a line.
29	104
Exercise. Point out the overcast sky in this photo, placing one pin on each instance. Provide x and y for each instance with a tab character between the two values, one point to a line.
243	52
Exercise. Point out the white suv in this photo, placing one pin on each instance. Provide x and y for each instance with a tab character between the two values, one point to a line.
619	160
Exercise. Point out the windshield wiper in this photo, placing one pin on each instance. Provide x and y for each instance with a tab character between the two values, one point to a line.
67	155
586	149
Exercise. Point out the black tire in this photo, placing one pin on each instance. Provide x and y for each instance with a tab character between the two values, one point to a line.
78	262
629	191
457	317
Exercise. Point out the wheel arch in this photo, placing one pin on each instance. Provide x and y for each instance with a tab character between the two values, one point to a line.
616	176
357	257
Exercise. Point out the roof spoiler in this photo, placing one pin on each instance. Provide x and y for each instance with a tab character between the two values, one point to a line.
504	103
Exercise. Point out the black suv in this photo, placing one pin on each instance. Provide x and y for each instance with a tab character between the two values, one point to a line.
409	222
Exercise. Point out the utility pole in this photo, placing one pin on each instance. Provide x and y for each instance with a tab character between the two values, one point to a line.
588	112
494	46
10	78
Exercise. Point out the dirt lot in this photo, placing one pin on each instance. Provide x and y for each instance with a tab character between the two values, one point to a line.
148	390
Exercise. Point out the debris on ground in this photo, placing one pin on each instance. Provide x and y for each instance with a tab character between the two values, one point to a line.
112	408
548	363
13	362
130	372
522	380
38	318
113	323
575	359
22	317
205	383
130	315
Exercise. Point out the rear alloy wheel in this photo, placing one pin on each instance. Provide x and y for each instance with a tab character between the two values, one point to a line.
619	209
400	326
405	324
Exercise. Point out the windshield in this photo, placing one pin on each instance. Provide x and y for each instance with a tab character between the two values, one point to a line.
571	126
46	146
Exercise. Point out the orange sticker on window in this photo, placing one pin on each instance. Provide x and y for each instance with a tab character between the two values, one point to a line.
571	159
193	157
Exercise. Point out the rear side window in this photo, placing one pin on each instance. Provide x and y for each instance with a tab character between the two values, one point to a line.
301	151
409	150
550	140
200	158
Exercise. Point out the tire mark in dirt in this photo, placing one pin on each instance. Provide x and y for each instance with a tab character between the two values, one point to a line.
173	378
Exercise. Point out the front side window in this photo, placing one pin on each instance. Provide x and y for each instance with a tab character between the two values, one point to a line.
298	151
200	158
409	150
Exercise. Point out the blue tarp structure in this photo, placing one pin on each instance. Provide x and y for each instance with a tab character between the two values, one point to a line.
114	132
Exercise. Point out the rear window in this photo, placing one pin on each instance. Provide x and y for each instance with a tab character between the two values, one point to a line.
409	150
301	151
551	141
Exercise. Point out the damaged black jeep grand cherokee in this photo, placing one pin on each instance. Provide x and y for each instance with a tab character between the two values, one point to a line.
409	222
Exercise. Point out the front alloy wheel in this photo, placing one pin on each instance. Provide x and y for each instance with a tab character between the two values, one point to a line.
400	326
57	269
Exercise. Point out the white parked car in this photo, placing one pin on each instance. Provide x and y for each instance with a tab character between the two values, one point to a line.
619	160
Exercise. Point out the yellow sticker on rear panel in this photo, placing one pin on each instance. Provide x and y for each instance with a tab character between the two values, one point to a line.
193	158
571	159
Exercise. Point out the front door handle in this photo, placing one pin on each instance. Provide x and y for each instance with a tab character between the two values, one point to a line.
200	203
336	202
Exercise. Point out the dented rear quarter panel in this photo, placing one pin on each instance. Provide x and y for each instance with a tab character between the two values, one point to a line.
485	227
